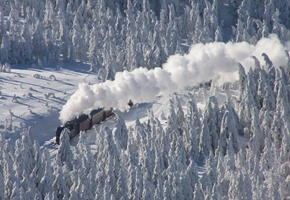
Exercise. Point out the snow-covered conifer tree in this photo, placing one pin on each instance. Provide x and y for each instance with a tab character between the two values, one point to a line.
2	186
242	81
191	140
107	194
5	48
2	145
205	144
229	125
148	189
38	169
131	180
210	21
180	153
63	37
93	48
64	153
230	153
172	129
14	27
158	193
45	185
39	48
282	105
84	150
218	35
121	186
17	192
26	45
222	179
269	67
24	156
2	25
253	77
247	102
77	40
194	115
237	187
212	116
257	139
192	174
179	112
60	186
262	84
138	186
268	12
51	196
159	167
272	185
141	134
269	103
198	192
167	194
8	171
214	193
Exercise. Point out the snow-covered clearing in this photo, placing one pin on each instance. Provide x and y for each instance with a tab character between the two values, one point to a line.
33	98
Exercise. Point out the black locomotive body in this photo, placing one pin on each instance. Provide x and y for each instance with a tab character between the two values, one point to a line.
86	121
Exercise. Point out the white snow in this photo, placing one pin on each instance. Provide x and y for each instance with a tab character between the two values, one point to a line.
34	98
39	94
42	96
217	61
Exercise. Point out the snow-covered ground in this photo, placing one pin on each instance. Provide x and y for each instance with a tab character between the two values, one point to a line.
32	98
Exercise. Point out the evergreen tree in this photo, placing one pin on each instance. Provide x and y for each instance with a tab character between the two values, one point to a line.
237	187
60	186
5	48
64	153
9	173
268	12
194	115
167	194
45	185
93	48
198	193
242	81
212	115
77	40
179	113
257	139
2	186
205	147
229	127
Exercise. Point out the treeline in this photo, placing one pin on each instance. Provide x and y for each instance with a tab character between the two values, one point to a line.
113	36
232	151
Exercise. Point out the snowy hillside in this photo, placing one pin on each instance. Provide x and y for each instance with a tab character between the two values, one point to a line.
206	141
34	97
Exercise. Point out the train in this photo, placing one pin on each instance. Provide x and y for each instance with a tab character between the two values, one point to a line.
84	122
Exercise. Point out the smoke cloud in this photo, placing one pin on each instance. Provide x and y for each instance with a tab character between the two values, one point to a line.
202	63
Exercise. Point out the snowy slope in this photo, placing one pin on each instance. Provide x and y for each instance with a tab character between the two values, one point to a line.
41	93
105	146
34	97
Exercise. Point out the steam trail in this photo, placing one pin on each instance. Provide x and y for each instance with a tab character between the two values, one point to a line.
202	63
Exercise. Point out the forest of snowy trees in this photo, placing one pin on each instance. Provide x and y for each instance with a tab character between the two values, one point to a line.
237	150
117	35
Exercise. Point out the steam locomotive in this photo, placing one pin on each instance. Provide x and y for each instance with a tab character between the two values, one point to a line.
84	122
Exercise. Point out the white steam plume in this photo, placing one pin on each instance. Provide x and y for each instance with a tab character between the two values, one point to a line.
202	63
